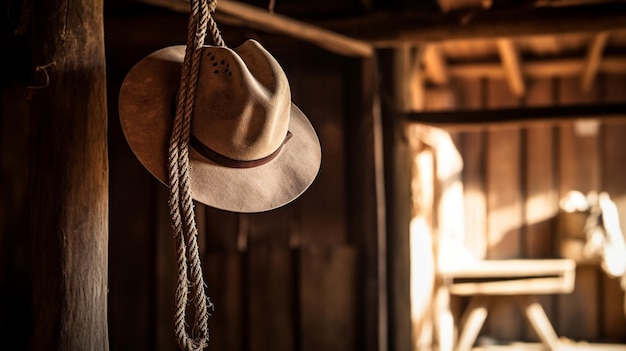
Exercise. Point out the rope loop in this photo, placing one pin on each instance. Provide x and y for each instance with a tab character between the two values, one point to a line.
190	282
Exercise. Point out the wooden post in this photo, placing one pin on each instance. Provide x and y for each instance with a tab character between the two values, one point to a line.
70	177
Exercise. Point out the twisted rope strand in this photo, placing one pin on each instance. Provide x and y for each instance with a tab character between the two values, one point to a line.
181	202
215	32
187	206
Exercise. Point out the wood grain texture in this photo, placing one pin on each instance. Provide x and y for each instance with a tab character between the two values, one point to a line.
504	208
472	149
579	169
225	275
318	91
271	299
166	273
132	205
541	193
70	189
328	298
613	170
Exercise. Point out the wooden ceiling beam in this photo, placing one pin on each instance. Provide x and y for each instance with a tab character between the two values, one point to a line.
516	117
391	29
356	35
257	18
537	68
435	64
593	59
512	66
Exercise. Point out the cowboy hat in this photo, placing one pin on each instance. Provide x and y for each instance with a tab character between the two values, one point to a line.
251	149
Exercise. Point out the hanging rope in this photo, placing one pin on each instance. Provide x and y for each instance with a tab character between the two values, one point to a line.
190	283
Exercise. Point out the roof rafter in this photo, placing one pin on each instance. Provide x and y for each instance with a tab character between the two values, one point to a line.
512	66
255	17
593	60
391	29
435	64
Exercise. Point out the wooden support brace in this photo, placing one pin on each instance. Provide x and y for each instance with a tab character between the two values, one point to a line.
435	62
538	320
593	59
472	321
512	66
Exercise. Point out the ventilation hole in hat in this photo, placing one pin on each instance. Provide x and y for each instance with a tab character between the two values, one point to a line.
230	73
214	63
216	71
222	62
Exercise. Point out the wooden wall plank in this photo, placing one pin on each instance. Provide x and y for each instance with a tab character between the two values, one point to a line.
541	193
328	298
504	208
271	299
578	170
504	198
613	170
578	313
472	148
132	240
165	272
226	287
579	144
222	231
614	161
613	314
272	228
470	94
225	239
318	91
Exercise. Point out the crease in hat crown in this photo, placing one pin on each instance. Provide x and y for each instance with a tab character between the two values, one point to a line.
243	102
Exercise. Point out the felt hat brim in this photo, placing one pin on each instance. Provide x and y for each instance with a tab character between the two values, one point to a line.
145	107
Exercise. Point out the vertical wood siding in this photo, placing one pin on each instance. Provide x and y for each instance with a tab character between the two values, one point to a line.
513	179
283	280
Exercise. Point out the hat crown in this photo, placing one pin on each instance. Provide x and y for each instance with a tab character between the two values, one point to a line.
147	100
242	103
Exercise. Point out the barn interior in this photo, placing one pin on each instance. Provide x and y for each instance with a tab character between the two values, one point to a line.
453	132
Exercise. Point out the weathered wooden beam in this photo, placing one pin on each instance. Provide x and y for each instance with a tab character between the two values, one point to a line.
390	29
538	68
593	59
254	17
436	66
409	78
366	198
69	198
515	117
512	66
